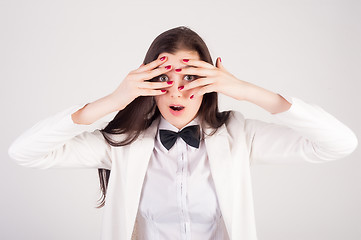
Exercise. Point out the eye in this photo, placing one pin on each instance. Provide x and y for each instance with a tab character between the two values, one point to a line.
190	77
163	78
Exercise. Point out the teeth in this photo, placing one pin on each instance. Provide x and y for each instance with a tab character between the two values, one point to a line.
176	108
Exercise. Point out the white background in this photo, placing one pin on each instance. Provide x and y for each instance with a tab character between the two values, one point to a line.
55	54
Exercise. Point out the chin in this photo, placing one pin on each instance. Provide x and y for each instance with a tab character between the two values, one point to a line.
177	122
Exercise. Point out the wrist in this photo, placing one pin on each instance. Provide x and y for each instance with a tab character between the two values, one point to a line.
115	102
268	100
248	92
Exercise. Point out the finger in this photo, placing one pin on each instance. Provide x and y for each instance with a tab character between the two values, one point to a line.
151	92
219	63
201	72
148	75
152	64
197	63
201	82
155	85
207	89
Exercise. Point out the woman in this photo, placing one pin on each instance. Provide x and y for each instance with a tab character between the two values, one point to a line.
172	166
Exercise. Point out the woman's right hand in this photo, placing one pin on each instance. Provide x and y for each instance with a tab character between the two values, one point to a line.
135	83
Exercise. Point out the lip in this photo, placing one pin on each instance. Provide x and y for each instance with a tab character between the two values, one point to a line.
176	113
180	105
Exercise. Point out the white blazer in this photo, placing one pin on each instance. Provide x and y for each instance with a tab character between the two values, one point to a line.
306	133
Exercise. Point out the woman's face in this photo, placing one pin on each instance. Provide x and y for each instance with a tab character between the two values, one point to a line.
176	106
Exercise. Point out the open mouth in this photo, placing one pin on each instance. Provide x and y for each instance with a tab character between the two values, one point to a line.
176	108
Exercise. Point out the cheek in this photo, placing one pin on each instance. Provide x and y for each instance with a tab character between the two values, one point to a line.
198	103
158	101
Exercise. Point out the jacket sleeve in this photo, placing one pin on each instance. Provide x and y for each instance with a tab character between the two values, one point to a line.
57	142
306	133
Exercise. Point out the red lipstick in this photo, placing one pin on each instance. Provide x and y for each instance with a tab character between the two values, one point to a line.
176	109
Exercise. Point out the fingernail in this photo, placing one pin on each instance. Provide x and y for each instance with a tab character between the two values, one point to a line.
163	90
220	59
162	58
168	67
178	70
192	97
185	60
170	82
180	88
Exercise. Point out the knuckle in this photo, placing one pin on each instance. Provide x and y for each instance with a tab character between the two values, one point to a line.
157	85
157	71
202	81
190	86
145	75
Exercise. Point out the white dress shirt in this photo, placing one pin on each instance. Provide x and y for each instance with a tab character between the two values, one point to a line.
178	198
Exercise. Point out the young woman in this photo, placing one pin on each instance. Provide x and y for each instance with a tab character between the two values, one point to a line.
172	166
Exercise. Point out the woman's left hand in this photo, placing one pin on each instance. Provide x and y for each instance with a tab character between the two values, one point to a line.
213	79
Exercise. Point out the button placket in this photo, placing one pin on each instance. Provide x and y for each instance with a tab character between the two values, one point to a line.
182	175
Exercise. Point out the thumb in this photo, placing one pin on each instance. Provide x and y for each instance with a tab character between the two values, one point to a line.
219	63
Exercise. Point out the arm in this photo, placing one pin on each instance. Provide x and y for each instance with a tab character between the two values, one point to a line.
218	79
58	142
72	138
307	131
269	101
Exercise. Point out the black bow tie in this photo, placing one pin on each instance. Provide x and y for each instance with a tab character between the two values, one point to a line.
191	135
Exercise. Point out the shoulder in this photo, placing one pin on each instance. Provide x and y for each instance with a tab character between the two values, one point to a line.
235	123
235	118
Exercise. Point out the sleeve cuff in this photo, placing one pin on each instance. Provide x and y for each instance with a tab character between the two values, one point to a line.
69	124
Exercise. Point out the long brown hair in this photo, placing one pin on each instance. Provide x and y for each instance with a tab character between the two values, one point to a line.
140	113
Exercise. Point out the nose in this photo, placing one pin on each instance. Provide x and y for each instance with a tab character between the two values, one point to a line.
175	90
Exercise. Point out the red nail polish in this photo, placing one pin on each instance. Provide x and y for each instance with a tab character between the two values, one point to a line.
168	67
180	88
163	90
162	58
170	82
192	97
185	60
220	59
178	70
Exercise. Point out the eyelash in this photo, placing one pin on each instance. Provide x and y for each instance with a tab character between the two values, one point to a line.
194	77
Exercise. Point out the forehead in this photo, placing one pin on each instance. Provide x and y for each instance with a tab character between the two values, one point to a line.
175	59
181	54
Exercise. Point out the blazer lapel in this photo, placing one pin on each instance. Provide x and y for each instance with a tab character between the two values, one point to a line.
220	162
139	156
